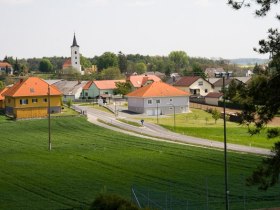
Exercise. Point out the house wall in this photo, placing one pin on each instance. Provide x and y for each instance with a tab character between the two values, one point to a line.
211	101
141	105
2	105
202	85
32	109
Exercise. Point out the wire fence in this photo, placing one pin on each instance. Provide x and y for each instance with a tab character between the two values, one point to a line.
207	196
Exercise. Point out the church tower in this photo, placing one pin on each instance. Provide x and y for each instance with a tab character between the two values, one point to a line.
75	56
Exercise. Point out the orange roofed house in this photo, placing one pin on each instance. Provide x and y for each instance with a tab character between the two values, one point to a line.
158	98
138	81
28	98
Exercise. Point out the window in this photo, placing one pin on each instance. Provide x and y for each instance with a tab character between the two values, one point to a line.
170	108
158	101
76	57
75	52
86	94
45	100
9	100
170	99
23	101
200	83
34	100
206	90
31	90
75	62
150	101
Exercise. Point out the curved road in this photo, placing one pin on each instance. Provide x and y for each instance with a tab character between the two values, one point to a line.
156	132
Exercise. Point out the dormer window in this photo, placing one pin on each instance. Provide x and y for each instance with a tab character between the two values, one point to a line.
32	90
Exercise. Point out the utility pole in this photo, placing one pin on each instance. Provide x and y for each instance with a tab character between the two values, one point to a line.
49	116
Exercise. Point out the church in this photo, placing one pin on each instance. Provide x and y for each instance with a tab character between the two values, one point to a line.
74	61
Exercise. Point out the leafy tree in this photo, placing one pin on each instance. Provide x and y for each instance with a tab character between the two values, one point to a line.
261	99
180	59
257	69
111	202
2	85
122	62
111	73
123	88
69	102
107	60
140	68
45	65
197	70
216	115
85	63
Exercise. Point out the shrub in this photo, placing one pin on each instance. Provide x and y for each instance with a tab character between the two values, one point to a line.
111	202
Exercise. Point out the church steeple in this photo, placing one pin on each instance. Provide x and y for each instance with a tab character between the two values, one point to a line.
75	42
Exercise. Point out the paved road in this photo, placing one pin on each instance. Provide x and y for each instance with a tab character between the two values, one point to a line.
155	132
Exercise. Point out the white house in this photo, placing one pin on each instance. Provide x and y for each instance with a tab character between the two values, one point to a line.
158	98
195	85
213	98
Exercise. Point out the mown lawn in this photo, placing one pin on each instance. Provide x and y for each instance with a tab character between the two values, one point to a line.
199	123
87	159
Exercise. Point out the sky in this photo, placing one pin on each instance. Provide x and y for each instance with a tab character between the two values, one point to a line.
201	28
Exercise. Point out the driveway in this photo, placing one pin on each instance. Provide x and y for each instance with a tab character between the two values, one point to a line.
156	132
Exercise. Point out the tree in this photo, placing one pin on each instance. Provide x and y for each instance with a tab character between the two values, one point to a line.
122	62
216	115
69	102
2	85
111	73
261	99
197	70
140	68
107	60
123	88
45	65
180	60
85	63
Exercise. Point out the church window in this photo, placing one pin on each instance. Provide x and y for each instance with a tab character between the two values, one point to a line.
76	57
75	62
75	52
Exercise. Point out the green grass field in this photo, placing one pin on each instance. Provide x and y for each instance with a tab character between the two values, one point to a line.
87	159
195	124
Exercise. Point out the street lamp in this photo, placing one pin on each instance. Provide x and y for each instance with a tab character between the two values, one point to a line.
174	124
157	100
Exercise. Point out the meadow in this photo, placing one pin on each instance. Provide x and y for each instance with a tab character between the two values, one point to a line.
200	124
86	160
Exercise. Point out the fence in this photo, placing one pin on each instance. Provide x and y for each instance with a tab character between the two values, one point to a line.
209	195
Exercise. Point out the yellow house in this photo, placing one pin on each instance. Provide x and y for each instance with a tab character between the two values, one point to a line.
29	99
2	98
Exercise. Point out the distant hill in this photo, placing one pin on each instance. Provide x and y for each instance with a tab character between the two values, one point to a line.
248	61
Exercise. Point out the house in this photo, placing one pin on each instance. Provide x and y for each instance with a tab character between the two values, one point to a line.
213	98
100	88
6	68
211	72
156	73
174	77
245	80
195	85
138	81
28	98
158	98
2	98
218	85
70	89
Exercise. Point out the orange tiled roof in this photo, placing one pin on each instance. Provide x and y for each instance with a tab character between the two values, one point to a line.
2	92
4	64
67	63
140	80
87	86
32	86
158	89
106	84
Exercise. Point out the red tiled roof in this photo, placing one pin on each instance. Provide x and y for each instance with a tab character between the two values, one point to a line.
214	95
106	84
87	86
67	63
186	81
4	64
2	92
32	86
140	80
158	89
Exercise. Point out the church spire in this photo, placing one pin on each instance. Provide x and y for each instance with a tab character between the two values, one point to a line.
74	42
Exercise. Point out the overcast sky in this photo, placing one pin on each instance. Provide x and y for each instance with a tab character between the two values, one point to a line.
201	28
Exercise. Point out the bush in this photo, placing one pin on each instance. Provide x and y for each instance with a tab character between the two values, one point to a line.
111	202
